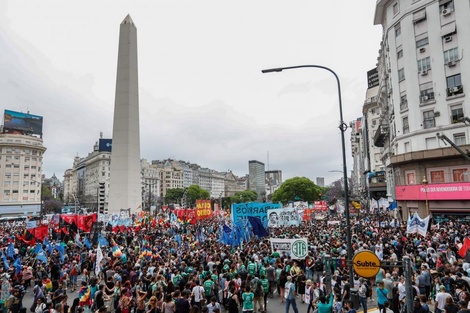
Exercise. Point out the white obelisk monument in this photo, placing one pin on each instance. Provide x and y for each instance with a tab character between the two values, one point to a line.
125	189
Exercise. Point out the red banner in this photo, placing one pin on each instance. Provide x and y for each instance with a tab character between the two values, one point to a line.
85	222
308	214
320	206
185	215
203	209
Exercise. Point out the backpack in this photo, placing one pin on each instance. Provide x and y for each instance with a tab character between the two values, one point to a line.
258	288
368	291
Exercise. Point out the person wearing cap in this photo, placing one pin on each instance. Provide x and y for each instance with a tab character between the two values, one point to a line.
440	300
290	294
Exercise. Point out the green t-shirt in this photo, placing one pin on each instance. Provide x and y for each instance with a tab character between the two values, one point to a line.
214	277
248	301
276	254
208	284
265	284
262	271
251	268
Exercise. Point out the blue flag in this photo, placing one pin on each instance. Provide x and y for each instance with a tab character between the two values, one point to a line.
5	262
60	248
11	250
17	264
48	245
258	228
103	242
227	229
178	239
41	256
38	247
87	242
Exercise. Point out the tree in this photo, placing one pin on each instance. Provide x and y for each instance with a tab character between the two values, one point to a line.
52	207
196	193
298	188
244	196
174	195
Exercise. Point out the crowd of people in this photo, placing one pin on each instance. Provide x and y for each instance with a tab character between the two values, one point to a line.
169	268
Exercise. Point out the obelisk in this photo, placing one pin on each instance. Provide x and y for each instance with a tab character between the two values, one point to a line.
125	188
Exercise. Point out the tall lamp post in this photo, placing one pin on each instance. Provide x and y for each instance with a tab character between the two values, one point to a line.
425	183
342	127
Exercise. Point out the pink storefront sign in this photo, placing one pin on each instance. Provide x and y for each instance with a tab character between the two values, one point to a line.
453	191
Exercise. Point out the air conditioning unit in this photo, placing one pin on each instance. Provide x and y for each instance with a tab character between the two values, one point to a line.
451	63
424	98
454	89
448	39
424	73
446	12
421	50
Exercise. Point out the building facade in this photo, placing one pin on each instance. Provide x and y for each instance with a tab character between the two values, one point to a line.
257	176
423	105
20	173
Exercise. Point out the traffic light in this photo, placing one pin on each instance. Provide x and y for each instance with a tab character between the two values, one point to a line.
101	198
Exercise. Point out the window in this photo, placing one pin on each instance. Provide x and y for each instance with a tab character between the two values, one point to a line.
403	103
459	139
428	119
451	55
424	64
419	16
422	42
407	147
401	74
456	113
396	9
426	95
410	178
454	85
374	123
437	177
448	5
397	30
406	125
400	54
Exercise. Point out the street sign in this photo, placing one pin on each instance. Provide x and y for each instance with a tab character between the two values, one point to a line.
366	264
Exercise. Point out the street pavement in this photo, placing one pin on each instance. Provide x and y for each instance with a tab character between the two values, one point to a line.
274	304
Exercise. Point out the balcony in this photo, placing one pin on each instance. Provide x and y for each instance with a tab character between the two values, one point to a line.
427	97
453	91
381	134
404	105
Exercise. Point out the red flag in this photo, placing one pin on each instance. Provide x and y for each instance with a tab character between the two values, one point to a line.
464	248
27	242
40	232
64	230
85	222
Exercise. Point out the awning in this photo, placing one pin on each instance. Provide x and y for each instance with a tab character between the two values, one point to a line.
448	29
419	16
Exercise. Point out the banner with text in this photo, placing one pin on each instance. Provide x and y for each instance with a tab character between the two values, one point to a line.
283	217
417	224
203	209
296	248
241	211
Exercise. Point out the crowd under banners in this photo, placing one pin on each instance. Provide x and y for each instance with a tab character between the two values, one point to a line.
241	211
417	224
296	248
283	217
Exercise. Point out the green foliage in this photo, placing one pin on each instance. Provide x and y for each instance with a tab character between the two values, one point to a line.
298	188
244	196
174	195
196	193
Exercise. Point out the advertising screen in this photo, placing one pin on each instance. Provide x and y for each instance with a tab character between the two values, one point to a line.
105	144
28	123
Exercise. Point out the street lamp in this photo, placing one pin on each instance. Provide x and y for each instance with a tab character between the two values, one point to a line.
425	183
342	127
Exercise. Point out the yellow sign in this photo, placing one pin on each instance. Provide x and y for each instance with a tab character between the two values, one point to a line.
366	264
357	205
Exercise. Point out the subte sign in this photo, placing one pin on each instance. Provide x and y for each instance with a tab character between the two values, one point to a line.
366	264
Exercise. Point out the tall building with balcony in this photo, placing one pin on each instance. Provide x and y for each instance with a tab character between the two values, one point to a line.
422	98
21	153
257	177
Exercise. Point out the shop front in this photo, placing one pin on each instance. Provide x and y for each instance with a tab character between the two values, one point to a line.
440	200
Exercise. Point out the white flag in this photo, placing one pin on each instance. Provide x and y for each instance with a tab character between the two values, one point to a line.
423	226
99	257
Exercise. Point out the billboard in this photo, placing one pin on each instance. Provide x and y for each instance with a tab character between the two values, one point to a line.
24	122
372	78
105	145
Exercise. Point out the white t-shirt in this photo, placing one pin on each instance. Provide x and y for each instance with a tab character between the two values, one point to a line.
441	299
198	292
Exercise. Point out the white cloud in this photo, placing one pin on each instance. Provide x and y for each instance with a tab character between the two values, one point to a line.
202	95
